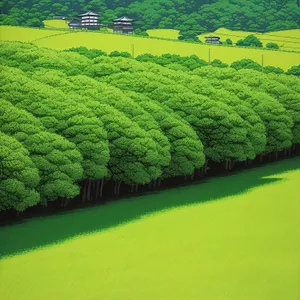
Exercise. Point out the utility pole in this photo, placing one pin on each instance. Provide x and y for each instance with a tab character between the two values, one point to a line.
262	62
132	50
209	55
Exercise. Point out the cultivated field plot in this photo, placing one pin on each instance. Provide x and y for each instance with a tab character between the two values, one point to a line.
110	42
56	24
233	237
286	39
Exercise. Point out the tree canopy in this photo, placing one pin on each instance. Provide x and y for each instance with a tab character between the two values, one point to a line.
18	176
189	17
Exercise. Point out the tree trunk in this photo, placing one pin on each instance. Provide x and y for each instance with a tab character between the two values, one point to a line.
206	168
89	190
115	188
118	188
261	158
159	182
84	191
97	189
229	165
154	183
101	188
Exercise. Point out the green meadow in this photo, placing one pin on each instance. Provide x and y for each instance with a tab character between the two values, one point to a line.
64	39
231	237
286	39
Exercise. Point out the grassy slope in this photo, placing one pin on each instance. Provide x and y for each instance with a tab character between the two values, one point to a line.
286	39
244	246
111	42
56	24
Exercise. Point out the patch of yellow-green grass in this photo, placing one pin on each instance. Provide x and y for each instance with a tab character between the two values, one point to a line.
56	24
10	33
243	246
110	42
286	39
164	33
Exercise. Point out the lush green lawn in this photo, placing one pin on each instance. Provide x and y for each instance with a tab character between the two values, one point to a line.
176	244
110	42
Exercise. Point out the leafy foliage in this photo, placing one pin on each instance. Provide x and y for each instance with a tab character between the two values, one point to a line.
58	161
250	41
272	46
189	17
295	70
80	116
19	177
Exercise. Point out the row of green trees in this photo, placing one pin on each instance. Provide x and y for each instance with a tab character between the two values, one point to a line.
190	17
186	63
78	122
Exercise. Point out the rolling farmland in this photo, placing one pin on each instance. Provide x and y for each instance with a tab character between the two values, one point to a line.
60	40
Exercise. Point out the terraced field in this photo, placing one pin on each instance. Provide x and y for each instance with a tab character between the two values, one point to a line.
109	42
234	237
286	39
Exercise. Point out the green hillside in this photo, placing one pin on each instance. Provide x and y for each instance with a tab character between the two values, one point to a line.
109	42
191	17
231	238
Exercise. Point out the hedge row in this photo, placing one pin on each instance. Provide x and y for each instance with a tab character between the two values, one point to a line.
77	122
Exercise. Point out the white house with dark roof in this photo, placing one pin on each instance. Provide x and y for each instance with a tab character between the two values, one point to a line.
123	25
88	20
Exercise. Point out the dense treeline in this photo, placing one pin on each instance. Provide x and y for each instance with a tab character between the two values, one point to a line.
184	63
82	126
190	17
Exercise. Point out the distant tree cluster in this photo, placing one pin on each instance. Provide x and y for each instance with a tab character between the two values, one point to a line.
189	17
71	124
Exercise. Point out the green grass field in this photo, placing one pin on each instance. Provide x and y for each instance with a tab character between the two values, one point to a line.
286	39
56	24
110	42
234	237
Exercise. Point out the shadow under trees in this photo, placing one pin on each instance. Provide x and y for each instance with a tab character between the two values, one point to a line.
47	230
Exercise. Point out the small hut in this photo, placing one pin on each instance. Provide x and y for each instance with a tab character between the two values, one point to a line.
123	25
212	40
88	20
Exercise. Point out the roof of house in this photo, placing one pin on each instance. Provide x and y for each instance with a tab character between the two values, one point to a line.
89	13
212	37
123	19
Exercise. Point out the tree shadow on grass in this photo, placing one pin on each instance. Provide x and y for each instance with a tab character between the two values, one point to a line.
43	231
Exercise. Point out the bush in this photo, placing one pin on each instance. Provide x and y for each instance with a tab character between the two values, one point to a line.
272	46
89	53
120	54
141	32
219	64
250	41
190	36
246	64
228	42
295	70
271	69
